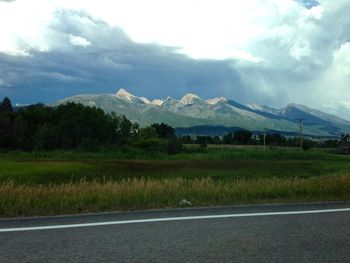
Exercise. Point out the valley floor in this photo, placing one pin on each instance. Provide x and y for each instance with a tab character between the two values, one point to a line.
50	183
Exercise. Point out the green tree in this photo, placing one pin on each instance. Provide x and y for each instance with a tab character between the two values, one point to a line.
148	140
242	136
174	146
23	132
6	105
228	138
187	139
163	130
6	128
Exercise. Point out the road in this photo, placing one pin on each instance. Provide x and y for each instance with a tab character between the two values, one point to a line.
266	233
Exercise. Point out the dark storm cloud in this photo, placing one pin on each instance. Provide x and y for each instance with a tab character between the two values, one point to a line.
112	61
296	64
299	63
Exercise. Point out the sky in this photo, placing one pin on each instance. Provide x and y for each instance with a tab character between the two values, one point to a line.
271	52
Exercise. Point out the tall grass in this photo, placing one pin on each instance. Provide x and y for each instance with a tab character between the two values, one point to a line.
132	194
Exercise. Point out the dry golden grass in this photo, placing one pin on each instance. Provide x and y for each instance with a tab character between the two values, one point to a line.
133	194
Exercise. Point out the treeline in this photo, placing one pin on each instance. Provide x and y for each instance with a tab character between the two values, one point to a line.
74	126
245	137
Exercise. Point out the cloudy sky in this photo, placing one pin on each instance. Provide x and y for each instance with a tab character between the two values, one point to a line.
264	51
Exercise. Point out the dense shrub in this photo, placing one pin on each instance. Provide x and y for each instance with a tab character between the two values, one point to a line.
174	146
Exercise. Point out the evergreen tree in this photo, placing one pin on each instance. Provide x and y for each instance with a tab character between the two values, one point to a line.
6	105
242	136
164	131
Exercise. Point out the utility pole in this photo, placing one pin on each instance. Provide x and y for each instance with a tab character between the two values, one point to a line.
301	131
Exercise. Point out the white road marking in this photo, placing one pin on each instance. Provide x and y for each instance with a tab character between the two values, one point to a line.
150	220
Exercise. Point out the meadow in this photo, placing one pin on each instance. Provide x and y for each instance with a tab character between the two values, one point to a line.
61	182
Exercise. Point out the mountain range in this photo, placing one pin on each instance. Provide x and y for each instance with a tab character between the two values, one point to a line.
191	110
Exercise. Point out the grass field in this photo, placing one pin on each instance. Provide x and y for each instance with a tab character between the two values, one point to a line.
47	183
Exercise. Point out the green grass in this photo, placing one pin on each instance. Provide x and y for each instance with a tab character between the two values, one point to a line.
40	183
58	172
191	153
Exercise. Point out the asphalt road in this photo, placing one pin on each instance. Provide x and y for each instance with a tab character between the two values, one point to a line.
222	234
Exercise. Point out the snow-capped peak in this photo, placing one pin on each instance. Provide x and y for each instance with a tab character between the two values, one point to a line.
188	98
145	100
216	100
169	100
157	102
124	94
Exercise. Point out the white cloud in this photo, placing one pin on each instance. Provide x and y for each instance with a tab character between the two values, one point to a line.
333	88
200	28
79	41
24	26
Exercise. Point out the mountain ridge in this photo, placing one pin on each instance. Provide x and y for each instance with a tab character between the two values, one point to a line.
192	110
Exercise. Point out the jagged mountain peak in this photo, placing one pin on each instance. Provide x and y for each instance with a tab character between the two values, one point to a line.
189	98
157	102
145	100
124	94
169	100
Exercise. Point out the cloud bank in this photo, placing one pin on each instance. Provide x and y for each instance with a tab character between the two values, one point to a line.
264	51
